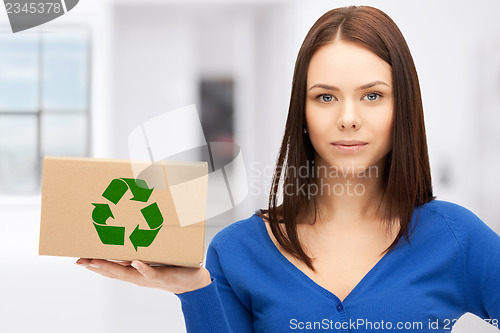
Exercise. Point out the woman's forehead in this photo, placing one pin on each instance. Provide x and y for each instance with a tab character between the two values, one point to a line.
347	64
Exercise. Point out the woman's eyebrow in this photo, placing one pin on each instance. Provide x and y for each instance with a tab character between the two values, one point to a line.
333	88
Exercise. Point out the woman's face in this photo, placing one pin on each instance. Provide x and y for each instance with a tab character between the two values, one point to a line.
349	107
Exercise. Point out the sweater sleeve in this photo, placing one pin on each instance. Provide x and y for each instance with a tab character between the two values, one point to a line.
215	308
481	253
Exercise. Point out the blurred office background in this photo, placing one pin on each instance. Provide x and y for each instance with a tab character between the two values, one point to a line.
79	85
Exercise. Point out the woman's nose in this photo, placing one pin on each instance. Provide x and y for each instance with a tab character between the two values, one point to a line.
348	117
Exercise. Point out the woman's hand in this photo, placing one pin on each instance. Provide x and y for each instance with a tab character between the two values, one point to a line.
174	279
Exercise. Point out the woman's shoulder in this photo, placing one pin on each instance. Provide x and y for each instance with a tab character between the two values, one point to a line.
451	212
461	221
448	209
239	232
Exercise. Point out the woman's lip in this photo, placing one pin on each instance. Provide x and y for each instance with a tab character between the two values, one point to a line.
348	142
349	148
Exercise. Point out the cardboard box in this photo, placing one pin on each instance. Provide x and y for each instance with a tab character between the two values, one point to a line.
96	208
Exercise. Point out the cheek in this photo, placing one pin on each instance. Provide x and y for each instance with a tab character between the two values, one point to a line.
309	117
315	127
384	130
316	130
379	125
317	120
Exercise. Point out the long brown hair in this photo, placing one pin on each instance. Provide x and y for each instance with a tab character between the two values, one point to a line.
406	175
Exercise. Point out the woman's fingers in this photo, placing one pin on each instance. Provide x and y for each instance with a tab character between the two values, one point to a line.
173	279
101	272
121	262
145	270
126	273
83	261
87	261
111	269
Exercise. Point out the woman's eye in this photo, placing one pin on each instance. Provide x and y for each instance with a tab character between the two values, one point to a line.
325	98
372	96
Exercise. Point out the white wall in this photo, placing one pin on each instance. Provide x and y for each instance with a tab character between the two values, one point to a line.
50	294
146	62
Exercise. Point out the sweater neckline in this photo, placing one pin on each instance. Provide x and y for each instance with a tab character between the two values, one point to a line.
305	278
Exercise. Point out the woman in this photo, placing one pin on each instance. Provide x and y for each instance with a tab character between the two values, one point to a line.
358	243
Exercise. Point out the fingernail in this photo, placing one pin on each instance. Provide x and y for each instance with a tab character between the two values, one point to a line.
94	266
135	265
83	265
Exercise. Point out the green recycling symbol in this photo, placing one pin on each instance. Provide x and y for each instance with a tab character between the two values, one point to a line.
115	235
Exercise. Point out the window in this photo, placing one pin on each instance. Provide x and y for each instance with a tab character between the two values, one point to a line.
44	103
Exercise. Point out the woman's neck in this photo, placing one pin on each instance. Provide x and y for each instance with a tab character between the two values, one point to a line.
349	196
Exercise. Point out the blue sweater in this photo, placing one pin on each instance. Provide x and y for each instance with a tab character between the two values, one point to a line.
451	266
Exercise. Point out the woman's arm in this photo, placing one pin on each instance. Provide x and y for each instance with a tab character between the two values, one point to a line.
173	279
201	304
215	308
481	258
209	304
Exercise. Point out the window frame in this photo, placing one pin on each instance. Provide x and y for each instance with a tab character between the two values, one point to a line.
33	197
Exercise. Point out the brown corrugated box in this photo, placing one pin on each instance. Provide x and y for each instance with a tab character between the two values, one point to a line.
96	208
